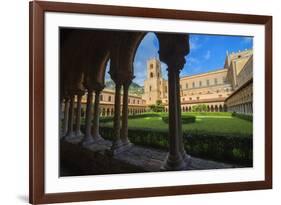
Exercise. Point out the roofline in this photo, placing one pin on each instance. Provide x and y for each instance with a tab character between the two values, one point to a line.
205	73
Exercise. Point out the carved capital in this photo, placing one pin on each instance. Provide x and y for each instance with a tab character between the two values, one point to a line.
172	49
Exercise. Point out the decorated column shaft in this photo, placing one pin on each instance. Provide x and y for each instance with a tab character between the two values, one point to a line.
66	112
95	129
116	120
88	139
124	130
174	159
78	132
70	134
172	50
181	142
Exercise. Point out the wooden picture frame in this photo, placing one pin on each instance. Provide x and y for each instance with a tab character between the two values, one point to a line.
37	10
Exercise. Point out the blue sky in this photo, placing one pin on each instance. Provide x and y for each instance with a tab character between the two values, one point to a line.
207	53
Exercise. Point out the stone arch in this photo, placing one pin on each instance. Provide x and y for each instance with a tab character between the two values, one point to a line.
216	108
220	108
103	112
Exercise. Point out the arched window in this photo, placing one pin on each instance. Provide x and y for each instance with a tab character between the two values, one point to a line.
150	88
151	75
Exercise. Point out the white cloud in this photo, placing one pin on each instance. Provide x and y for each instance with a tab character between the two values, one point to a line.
194	43
207	56
191	61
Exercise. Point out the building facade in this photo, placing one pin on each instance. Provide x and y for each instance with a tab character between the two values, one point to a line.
225	89
136	104
240	75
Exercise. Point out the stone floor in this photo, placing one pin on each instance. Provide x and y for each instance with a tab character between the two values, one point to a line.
148	159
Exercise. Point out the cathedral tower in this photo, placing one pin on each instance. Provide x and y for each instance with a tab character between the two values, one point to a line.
153	85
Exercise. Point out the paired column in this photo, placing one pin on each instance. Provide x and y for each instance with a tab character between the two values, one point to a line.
88	139
95	129
65	120
117	143
124	130
78	132
70	134
174	159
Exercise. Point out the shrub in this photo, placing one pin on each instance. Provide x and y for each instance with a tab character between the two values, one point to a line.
231	149
184	118
158	107
188	119
199	108
143	115
243	116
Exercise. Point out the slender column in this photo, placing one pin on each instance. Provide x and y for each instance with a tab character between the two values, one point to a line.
65	120
70	133
174	159
124	130
250	107
88	139
185	157
116	121
95	128
78	132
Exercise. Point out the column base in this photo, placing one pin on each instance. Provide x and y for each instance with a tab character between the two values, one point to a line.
88	140
126	142
173	163
97	138
91	140
79	133
186	158
69	136
119	146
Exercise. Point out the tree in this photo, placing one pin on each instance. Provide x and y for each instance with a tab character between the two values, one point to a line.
199	108
158	107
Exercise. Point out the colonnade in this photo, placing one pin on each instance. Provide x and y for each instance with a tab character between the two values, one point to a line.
120	48
244	108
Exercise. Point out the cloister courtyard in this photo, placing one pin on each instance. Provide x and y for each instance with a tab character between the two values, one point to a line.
214	140
122	111
222	123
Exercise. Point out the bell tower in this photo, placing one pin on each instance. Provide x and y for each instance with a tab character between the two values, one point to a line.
153	82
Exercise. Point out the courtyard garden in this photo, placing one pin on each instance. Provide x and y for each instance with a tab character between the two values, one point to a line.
220	136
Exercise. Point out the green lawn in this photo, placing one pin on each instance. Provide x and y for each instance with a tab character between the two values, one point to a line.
212	123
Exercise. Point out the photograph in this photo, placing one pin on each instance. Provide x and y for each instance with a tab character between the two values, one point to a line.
145	101
129	102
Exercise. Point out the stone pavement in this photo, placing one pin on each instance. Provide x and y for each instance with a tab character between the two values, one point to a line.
145	159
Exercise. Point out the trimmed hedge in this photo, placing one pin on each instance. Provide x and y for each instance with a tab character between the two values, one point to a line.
231	149
184	119
110	118
243	116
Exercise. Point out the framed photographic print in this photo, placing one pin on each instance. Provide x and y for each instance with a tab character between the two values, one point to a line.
139	102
